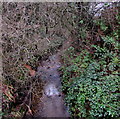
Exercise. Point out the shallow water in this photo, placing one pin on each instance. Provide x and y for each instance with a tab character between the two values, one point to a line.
52	102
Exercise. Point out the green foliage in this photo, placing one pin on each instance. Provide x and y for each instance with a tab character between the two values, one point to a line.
97	95
91	91
102	24
91	81
81	22
83	31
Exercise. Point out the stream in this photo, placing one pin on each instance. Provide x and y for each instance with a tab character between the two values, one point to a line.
52	102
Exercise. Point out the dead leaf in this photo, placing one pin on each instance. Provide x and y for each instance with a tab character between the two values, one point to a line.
27	66
32	72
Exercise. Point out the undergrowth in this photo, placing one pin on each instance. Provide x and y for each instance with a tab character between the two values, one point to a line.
91	76
90	70
28	37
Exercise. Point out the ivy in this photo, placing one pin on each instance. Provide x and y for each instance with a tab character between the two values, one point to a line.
91	82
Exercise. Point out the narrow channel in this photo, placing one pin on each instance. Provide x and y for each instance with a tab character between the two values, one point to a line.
52	102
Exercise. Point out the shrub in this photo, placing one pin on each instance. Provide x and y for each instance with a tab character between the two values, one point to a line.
91	87
91	79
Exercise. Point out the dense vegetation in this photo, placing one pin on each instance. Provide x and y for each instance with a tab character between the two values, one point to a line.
91	75
90	72
30	34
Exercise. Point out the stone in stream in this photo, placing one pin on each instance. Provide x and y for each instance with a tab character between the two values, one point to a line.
51	90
